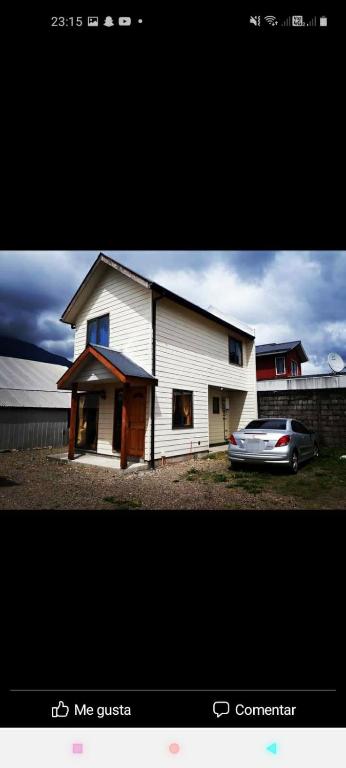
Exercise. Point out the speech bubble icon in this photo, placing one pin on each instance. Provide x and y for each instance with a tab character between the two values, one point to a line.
221	708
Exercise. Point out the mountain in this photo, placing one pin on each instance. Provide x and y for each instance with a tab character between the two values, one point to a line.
23	350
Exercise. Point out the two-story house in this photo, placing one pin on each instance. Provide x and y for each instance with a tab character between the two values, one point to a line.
280	361
154	375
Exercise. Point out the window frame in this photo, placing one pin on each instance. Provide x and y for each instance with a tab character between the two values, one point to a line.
93	320
182	392
216	413
280	357
238	341
294	363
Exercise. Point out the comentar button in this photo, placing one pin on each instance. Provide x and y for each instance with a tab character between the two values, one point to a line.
275	711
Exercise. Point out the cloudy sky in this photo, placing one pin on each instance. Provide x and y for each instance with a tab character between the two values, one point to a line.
285	295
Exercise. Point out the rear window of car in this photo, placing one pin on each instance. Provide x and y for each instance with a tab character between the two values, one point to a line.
267	424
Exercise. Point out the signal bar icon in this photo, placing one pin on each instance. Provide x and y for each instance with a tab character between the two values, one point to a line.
312	22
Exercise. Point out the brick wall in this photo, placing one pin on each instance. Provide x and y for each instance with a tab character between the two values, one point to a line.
323	410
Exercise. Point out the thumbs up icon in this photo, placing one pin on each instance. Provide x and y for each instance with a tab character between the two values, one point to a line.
61	710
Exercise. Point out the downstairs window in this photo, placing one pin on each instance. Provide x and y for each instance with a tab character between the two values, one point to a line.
182	409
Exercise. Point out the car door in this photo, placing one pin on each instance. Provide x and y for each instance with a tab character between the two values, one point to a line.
298	439
305	440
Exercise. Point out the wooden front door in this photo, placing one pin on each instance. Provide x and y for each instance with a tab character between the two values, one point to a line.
137	397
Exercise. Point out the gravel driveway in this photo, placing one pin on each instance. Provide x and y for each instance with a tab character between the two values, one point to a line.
29	480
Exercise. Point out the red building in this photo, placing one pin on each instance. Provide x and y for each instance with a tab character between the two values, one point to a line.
280	361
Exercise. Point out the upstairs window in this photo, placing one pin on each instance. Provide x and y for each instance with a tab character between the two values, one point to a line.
182	409
235	349
280	365
98	331
294	368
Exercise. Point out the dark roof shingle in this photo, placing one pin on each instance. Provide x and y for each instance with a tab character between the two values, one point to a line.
282	347
125	364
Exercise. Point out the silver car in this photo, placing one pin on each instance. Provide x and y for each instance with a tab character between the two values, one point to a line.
273	441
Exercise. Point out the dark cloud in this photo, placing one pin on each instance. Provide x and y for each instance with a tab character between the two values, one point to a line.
35	288
251	263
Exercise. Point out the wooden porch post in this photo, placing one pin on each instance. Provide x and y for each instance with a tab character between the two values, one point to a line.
124	423
73	422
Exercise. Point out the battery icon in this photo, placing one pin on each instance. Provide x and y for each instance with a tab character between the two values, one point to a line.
323	21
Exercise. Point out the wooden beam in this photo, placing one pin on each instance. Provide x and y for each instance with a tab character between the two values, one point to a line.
63	381
70	371
141	381
112	368
124	427
73	422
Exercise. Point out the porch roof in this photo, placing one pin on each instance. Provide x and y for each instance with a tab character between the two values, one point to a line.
120	366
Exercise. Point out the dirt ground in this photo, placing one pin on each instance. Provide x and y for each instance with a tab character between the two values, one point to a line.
29	480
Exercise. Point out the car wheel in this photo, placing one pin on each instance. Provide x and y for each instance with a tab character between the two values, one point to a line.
294	463
316	451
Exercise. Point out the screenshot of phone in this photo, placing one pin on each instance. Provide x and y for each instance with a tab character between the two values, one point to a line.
172	386
287	728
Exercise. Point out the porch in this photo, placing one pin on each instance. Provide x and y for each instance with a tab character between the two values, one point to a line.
110	399
225	412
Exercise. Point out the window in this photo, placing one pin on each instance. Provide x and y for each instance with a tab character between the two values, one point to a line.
216	405
280	424
294	368
297	426
182	409
235	351
98	331
280	365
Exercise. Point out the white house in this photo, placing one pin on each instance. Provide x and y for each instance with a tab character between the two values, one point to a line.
153	375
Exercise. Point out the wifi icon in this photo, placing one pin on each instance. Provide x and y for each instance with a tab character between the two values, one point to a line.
272	20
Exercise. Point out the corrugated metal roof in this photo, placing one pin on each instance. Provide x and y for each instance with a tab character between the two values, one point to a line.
31	384
26	398
125	365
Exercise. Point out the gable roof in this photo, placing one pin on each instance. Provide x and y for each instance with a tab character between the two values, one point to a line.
90	280
282	348
119	366
127	366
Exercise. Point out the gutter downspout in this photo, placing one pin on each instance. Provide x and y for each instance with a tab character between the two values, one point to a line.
153	366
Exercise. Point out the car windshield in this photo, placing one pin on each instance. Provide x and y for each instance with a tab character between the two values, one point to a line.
267	424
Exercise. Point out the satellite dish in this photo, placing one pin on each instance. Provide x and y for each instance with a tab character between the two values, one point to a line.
335	362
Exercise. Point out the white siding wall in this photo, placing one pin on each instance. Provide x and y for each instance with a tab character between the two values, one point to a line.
106	418
94	371
192	354
147	441
129	307
130	332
